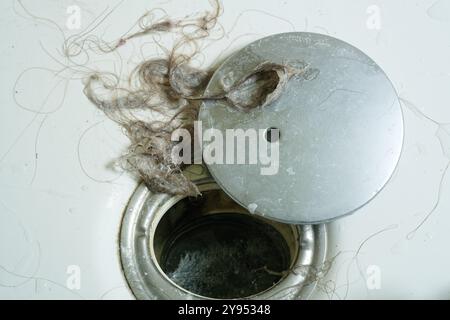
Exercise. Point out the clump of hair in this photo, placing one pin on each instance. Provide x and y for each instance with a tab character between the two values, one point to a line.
164	94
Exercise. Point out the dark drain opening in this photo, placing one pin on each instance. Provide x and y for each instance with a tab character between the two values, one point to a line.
220	253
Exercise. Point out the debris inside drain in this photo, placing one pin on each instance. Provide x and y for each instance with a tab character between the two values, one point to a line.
225	256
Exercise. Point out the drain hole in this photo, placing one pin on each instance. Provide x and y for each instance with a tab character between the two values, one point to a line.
220	255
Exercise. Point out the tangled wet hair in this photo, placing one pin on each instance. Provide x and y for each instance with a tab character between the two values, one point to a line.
164	94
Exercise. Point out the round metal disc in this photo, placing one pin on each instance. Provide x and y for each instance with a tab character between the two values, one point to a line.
341	130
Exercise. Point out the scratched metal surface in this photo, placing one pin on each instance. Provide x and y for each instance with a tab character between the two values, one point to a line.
341	130
53	216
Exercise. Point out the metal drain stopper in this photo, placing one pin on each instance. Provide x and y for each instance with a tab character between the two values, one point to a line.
340	130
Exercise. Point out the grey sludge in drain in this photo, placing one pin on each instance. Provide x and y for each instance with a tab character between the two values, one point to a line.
226	256
150	219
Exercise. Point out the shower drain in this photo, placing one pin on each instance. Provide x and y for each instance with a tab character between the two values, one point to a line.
209	247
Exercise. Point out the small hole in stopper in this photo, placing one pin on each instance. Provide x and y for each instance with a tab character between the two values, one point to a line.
272	134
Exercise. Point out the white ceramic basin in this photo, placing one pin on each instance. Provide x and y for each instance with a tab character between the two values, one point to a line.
61	204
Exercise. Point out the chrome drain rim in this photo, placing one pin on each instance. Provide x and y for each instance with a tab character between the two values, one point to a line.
146	278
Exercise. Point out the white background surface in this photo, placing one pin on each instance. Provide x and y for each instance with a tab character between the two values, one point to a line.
61	203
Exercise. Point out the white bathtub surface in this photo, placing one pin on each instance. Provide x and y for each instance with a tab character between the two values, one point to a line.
61	201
